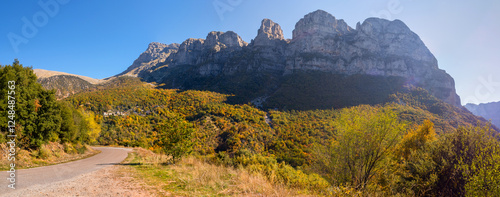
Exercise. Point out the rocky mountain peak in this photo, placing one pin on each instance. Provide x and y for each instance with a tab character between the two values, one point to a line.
157	50
155	47
268	32
155	53
320	22
377	26
224	39
393	38
321	43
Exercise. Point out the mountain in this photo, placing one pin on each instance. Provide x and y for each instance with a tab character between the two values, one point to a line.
41	74
489	111
326	64
156	53
65	84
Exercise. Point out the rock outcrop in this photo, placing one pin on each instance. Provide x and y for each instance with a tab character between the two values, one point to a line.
188	52
154	54
221	40
320	43
268	34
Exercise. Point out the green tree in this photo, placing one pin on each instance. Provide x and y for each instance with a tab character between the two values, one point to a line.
68	131
176	137
49	117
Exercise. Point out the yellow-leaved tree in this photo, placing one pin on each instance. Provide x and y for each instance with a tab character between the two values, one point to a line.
364	138
90	127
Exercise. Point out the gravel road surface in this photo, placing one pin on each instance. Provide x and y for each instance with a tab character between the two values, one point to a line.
43	177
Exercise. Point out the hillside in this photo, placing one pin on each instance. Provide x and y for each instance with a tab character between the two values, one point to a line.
42	74
489	111
135	113
65	84
131	112
267	71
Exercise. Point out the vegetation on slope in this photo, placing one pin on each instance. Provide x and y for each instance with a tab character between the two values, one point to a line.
352	149
39	117
65	85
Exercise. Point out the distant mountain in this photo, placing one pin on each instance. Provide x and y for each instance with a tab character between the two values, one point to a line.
489	111
326	64
41	73
65	84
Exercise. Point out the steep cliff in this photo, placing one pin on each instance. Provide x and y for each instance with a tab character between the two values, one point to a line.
377	50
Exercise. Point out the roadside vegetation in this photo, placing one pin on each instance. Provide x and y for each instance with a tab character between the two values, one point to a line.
47	131
194	176
48	154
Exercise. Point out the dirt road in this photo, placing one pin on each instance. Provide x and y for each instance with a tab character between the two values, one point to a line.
45	176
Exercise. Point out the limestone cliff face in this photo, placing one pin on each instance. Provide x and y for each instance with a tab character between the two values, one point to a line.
188	52
320	42
376	47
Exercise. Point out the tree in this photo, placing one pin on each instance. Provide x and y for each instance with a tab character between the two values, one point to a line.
175	137
479	160
414	171
89	128
364	137
68	131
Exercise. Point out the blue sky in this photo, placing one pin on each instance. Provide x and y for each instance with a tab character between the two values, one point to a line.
102	38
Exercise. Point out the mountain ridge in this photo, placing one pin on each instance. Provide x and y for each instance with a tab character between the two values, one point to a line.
320	42
489	111
42	73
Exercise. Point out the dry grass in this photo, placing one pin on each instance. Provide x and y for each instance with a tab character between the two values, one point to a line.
194	177
49	154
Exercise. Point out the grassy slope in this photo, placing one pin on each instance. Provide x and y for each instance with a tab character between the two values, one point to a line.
194	177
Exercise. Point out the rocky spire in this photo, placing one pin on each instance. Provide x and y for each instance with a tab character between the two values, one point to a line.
268	32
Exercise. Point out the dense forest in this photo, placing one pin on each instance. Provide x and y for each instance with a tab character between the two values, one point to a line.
410	144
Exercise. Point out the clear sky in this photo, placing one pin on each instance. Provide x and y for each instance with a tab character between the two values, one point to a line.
102	38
